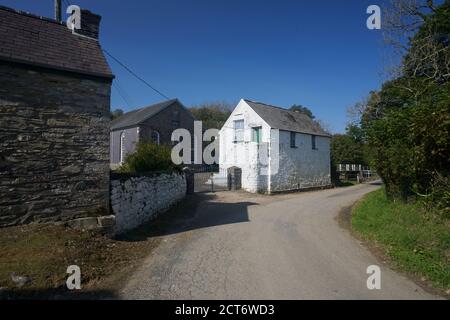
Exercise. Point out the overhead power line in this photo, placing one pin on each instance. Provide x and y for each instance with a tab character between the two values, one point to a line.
135	75
122	95
124	92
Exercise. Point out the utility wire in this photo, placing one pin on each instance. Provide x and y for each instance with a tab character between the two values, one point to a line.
124	92
135	75
121	95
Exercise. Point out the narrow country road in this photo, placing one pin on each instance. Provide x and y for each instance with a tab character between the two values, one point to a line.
242	246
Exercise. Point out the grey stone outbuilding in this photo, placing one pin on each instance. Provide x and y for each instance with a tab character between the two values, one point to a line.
55	88
153	123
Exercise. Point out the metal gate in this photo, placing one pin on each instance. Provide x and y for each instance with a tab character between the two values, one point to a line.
209	178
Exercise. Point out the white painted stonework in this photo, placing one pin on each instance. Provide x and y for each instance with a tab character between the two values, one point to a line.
272	165
136	200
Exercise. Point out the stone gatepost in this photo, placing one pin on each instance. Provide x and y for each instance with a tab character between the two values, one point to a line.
234	178
190	182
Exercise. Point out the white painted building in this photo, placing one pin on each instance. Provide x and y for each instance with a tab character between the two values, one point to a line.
277	149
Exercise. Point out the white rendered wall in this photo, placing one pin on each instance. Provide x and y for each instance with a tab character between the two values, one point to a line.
290	168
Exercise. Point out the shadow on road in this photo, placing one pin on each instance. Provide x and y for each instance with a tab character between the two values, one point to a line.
197	211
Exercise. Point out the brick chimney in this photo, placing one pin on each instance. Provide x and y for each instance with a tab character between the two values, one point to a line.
90	24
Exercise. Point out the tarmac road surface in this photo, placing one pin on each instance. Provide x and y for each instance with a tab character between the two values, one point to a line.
244	246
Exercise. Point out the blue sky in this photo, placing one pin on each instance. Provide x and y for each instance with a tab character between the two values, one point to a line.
316	53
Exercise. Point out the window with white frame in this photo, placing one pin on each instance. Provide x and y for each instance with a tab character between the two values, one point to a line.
238	126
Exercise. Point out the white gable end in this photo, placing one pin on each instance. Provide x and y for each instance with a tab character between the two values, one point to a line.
268	160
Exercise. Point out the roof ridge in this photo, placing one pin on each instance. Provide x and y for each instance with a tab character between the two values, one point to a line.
284	119
152	105
272	106
44	43
139	115
31	15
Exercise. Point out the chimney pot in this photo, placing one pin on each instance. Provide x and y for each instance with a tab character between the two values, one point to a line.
58	10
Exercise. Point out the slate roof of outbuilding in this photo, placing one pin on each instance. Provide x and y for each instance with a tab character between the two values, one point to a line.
43	42
280	118
135	117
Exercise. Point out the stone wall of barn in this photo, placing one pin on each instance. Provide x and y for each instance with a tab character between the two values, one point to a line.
54	140
301	167
164	123
137	199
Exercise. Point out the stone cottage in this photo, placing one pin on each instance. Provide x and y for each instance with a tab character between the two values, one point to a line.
153	123
276	149
54	119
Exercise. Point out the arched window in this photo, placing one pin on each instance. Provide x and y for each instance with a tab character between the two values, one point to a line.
155	137
122	147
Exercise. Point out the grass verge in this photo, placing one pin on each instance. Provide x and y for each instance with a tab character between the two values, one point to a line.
416	240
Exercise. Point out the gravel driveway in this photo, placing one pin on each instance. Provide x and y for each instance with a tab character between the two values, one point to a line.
244	246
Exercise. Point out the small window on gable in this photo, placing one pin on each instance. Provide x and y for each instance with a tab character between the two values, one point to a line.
238	124
293	145
313	142
256	134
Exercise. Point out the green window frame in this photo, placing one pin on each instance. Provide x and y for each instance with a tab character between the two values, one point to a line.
257	134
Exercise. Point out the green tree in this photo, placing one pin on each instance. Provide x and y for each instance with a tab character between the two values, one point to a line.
355	132
409	132
213	115
116	114
302	109
346	150
407	123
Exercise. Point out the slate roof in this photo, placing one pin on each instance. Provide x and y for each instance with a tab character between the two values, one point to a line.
279	118
43	42
135	117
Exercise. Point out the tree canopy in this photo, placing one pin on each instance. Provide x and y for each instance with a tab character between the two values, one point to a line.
349	148
213	115
302	109
407	123
116	114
